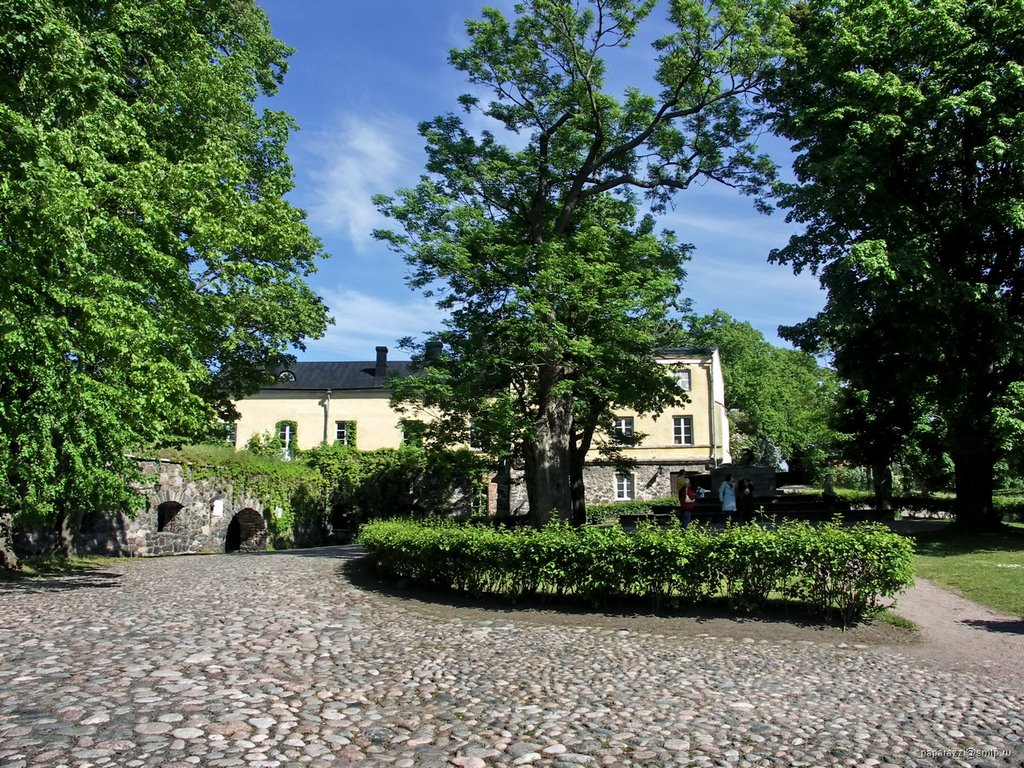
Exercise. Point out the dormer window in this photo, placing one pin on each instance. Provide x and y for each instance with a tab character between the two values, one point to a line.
286	376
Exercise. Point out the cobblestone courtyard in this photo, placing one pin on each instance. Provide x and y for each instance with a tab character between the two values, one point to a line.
277	660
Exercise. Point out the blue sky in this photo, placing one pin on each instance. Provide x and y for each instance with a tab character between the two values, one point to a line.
363	75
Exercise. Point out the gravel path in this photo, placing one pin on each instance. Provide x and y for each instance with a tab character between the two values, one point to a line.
955	631
278	660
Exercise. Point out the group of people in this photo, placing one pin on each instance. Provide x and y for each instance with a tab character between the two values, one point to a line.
737	499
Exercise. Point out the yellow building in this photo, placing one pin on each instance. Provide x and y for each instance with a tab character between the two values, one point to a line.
691	438
324	402
315	403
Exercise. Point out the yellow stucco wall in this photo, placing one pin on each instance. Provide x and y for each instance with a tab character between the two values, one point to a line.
377	426
705	406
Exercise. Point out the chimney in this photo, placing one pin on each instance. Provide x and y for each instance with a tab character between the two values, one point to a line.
381	372
432	352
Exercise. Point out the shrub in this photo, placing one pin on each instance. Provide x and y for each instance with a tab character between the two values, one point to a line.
752	562
598	512
838	571
847	570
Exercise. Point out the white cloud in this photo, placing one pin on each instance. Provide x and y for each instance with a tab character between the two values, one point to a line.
360	157
752	290
363	322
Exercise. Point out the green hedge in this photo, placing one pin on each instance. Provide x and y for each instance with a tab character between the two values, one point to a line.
598	512
839	571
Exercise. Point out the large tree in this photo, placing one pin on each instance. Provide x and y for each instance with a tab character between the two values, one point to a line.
776	397
558	291
149	268
908	121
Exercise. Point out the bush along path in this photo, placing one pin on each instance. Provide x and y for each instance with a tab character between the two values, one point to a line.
842	573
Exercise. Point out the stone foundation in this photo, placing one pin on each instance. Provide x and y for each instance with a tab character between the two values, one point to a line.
650	481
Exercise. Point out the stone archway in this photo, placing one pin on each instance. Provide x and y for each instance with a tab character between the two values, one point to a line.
167	517
247	532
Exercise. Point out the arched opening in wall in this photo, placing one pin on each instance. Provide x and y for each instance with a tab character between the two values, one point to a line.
167	517
247	532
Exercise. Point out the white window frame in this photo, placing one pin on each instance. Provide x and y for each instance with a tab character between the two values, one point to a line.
286	432
684	379
682	430
341	432
625	487
623	426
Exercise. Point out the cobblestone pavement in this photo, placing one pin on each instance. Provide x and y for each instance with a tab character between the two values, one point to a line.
276	660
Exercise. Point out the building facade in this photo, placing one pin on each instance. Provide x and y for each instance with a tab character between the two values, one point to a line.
314	403
348	402
691	438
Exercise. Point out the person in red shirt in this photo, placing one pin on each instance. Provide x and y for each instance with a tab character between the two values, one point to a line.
687	501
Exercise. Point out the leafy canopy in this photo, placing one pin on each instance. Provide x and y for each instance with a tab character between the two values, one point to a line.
908	117
531	233
149	267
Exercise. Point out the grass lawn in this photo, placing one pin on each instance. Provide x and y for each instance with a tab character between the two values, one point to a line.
987	568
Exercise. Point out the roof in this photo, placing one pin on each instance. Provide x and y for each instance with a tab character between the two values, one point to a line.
336	376
680	352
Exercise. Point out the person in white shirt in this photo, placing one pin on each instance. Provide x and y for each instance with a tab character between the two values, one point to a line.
727	495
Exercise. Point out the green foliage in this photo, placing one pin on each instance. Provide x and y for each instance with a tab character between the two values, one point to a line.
265	444
407	481
559	288
776	397
908	117
847	570
842	571
611	511
147	251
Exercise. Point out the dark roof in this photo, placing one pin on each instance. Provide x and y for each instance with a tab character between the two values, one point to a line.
336	376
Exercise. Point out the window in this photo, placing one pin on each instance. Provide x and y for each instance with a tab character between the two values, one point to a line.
287	433
231	433
345	432
682	430
623	426
623	487
413	432
683	380
286	376
474	437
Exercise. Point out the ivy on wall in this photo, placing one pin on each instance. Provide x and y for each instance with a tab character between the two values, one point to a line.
301	495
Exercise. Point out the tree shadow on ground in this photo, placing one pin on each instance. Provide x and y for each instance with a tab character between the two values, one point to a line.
73	578
779	620
1011	626
950	540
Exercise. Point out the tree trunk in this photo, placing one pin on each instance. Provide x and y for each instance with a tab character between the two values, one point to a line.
881	482
68	526
8	558
578	515
974	508
547	463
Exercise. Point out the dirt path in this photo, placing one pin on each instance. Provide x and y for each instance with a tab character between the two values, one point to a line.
956	631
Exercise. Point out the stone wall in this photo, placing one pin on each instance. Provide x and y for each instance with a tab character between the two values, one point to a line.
181	515
650	481
763	478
